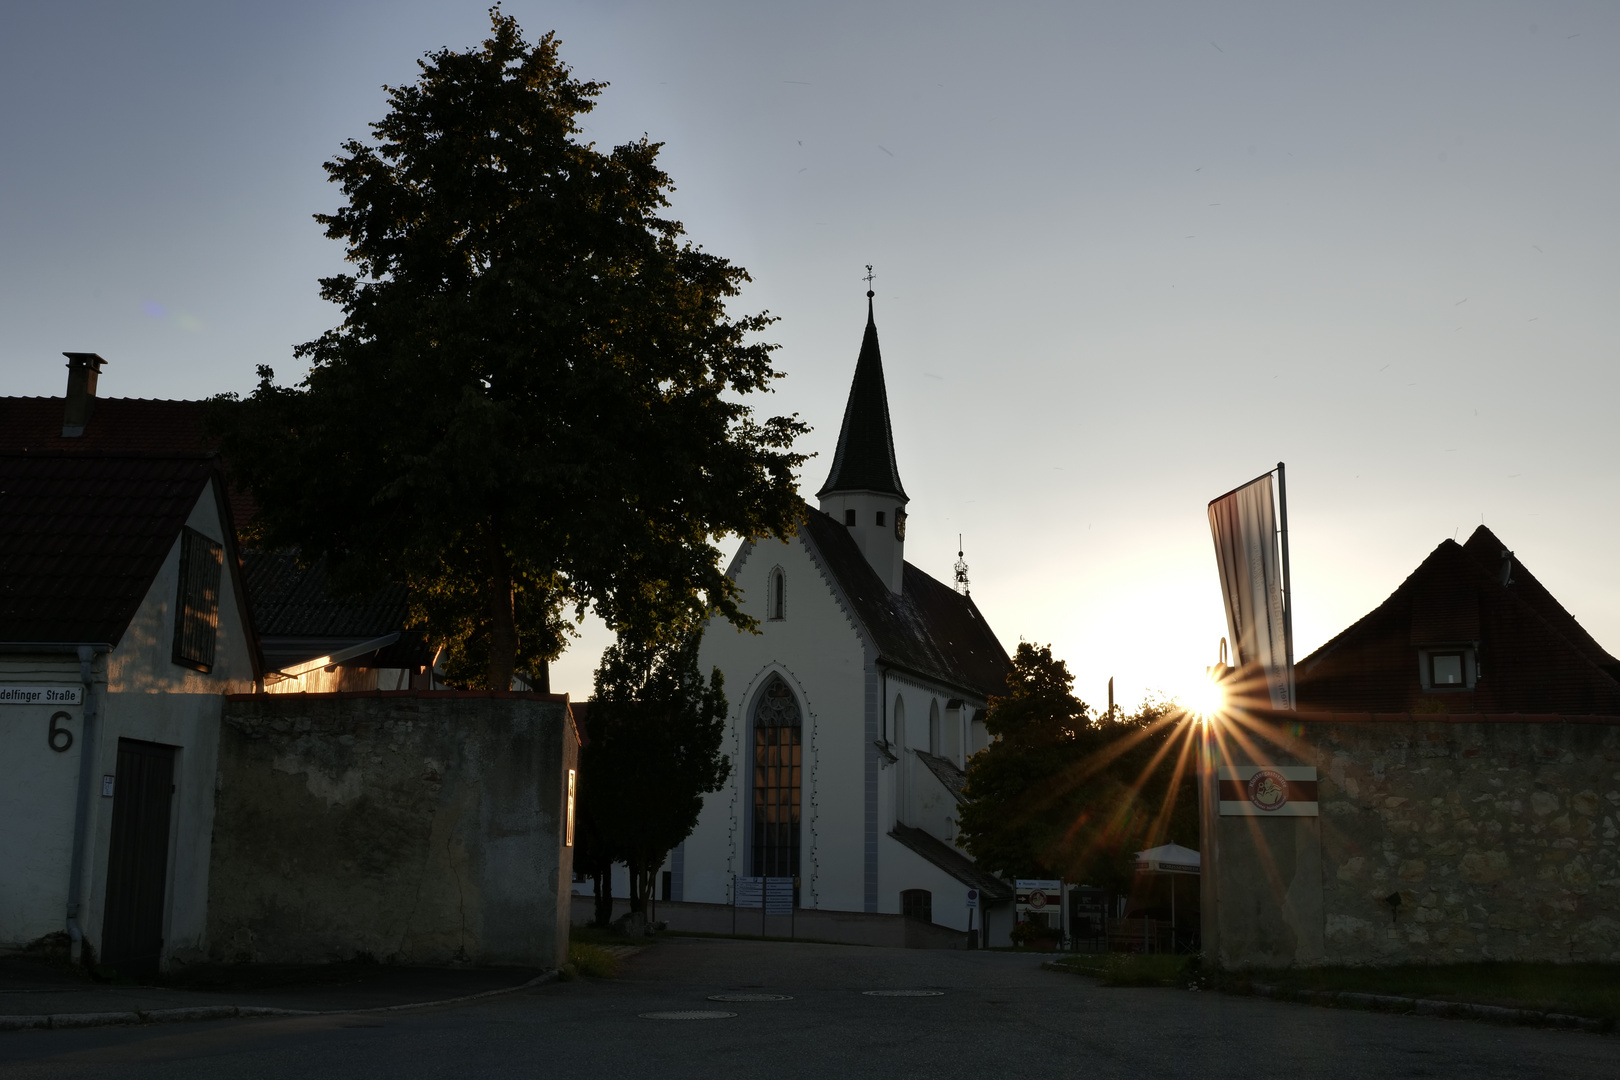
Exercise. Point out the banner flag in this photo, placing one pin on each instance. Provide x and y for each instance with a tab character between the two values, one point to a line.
1244	525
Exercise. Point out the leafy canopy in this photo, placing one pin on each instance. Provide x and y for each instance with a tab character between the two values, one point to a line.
536	398
1064	793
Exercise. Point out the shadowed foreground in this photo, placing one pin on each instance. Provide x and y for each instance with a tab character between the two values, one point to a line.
999	1014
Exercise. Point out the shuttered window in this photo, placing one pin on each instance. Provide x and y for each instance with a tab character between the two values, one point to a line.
196	609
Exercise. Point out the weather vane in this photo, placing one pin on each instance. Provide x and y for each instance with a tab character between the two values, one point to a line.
961	567
868	279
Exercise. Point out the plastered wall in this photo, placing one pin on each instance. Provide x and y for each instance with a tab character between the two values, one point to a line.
423	828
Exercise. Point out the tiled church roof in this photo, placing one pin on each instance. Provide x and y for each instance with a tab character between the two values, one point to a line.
865	459
928	628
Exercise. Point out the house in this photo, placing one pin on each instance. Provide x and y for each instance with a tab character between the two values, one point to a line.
1446	792
123	623
314	640
854	709
1470	631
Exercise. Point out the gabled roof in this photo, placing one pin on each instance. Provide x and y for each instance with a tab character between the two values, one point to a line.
82	537
1534	657
864	460
117	426
293	600
1487	551
953	862
927	628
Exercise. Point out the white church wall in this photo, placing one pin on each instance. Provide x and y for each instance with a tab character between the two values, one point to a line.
819	654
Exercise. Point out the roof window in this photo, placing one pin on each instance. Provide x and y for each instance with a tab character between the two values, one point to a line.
1448	667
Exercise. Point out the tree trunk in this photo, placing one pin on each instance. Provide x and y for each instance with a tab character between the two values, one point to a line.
603	888
638	896
502	624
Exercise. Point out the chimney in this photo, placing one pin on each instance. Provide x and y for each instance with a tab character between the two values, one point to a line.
83	367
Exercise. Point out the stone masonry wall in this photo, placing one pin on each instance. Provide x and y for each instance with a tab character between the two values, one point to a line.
1499	837
421	828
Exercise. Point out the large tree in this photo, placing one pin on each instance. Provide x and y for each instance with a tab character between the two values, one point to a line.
1065	793
652	751
535	399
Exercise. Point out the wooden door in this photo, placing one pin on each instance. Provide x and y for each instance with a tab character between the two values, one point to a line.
138	860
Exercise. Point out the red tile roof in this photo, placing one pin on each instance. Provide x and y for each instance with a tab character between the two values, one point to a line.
117	426
82	536
1534	657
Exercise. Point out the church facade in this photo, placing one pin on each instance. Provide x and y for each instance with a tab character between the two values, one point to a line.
854	709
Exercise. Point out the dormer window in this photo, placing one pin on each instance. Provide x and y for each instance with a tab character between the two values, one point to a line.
1448	667
849	518
778	595
880	519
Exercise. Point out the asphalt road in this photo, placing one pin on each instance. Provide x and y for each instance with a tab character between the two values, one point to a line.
999	1016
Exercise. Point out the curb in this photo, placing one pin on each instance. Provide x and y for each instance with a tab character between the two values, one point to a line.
232	1012
1461	1010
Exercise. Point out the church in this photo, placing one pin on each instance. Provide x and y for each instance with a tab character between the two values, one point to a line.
854	709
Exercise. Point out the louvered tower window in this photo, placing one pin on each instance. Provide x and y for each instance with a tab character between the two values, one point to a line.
196	608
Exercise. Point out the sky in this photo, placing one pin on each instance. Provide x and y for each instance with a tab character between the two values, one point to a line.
1127	257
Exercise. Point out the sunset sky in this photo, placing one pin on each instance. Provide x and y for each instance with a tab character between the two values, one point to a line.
1127	257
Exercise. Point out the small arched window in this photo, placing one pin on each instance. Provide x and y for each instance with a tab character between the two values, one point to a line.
917	904
778	598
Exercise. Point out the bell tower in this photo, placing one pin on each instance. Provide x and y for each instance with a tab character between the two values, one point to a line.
863	490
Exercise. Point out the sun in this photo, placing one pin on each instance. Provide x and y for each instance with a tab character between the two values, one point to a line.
1202	696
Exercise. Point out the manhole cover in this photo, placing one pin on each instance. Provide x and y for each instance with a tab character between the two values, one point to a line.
688	1014
750	997
904	993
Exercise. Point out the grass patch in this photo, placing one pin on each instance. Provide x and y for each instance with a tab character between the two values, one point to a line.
1591	990
592	960
1132	969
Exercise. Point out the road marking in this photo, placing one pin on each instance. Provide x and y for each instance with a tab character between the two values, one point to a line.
904	993
688	1014
750	997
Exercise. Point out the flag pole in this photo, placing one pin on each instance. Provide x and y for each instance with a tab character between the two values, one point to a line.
1288	587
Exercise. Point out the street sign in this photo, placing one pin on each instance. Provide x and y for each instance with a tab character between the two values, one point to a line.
42	695
973	898
1036	896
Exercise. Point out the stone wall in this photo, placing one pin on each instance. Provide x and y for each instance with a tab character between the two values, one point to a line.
416	827
1498	835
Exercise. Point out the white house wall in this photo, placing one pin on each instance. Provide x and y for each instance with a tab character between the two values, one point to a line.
37	787
146	696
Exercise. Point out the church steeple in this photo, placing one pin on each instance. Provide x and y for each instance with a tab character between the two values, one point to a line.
864	460
863	489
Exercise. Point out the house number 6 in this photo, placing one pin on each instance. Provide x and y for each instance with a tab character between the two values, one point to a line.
61	739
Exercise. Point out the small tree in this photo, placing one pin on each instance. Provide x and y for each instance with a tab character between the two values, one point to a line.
654	731
1063	793
535	400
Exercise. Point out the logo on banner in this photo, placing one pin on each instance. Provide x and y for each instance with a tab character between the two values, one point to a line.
1268	790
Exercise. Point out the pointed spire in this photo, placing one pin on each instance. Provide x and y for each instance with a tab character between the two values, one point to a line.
864	460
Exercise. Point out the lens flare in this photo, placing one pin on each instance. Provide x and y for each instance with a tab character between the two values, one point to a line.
1204	697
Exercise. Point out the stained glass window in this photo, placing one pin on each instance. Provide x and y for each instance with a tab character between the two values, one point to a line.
777	781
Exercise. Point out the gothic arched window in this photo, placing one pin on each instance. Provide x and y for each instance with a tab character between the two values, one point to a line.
933	727
778	591
777	776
